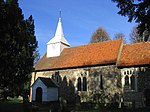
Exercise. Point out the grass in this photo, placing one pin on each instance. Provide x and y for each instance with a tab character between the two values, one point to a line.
11	105
11	100
99	110
117	110
16	105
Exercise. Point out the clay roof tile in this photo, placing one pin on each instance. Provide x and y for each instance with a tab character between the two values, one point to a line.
100	53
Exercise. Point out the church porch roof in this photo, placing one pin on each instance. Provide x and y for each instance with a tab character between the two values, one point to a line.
47	82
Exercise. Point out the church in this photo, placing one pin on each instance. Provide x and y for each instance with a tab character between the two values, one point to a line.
105	72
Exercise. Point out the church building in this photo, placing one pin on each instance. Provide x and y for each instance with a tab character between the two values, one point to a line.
105	72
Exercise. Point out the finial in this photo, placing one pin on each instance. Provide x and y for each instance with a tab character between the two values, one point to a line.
60	13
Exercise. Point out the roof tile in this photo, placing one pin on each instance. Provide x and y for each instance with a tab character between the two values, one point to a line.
136	54
86	55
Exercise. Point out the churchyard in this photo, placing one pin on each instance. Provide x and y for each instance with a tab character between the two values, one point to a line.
16	105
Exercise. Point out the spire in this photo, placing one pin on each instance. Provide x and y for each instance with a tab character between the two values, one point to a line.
58	40
59	35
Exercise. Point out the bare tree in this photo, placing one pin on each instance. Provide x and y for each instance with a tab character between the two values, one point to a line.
135	36
99	36
120	36
138	11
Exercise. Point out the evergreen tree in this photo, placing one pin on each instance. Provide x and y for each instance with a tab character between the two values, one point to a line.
99	36
138	10
17	48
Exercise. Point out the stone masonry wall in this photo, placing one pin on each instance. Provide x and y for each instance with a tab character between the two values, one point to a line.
103	83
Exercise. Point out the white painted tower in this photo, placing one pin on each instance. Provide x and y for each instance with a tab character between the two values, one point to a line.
56	45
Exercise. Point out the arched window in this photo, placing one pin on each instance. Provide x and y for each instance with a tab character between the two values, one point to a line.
53	77
127	72
79	84
132	82
124	72
84	84
130	71
57	77
126	81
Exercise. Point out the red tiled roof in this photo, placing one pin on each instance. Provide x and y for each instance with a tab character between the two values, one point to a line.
137	54
101	53
45	63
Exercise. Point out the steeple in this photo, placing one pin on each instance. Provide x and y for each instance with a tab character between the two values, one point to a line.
58	42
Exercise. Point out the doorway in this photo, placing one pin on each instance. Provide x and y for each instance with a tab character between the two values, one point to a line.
39	95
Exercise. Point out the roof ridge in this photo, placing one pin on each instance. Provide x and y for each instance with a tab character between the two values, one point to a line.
138	43
95	43
119	52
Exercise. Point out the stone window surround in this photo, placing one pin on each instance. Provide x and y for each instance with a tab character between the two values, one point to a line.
82	74
129	72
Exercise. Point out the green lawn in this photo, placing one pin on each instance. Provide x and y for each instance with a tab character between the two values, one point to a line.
11	105
16	105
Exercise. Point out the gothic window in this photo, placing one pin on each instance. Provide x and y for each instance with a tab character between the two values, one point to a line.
57	77
84	84
53	77
79	84
56	73
101	82
126	81
127	72
130	71
132	82
124	72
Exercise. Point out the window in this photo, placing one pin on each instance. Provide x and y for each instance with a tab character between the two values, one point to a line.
57	77
56	73
79	84
126	81
132	82
127	72
53	77
130	71
124	72
101	82
84	84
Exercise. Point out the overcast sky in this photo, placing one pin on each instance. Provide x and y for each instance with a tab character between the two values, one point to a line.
80	18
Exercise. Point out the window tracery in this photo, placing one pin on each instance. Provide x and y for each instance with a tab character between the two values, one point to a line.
129	79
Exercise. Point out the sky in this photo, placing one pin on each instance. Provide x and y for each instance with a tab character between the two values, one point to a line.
80	19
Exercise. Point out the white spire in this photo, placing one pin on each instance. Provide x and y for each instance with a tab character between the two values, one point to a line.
58	41
59	35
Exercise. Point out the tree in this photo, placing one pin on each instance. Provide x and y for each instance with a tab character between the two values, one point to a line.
18	43
36	56
99	36
138	10
120	36
135	36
